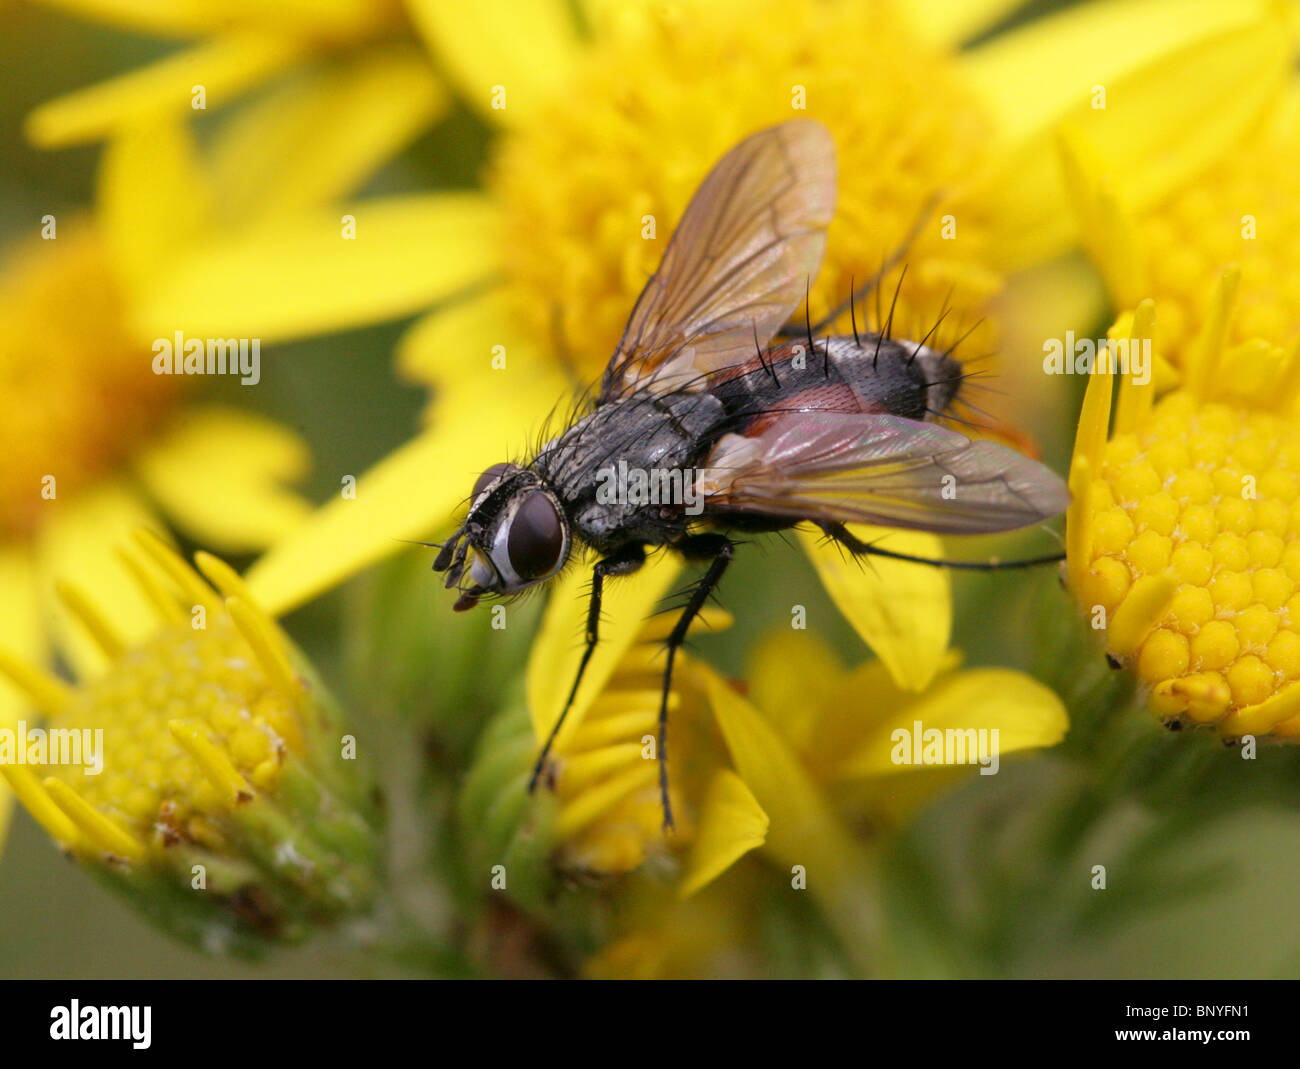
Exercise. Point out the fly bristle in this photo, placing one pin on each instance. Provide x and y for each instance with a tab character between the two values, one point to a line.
880	315
886	334
853	316
928	334
953	347
807	315
766	364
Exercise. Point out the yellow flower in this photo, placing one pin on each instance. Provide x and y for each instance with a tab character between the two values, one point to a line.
598	810
603	131
95	442
242	45
1240	210
665	89
876	748
604	768
812	751
204	773
1184	531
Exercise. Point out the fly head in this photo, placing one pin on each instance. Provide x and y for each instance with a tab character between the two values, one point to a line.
516	535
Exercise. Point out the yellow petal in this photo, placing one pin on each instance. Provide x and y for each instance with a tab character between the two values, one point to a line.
793	701
300	275
1094	417
154	199
1163	69
852	711
410	494
515	54
181	18
732	823
1203	360
902	611
1085	464
1174	118
805	834
342	21
1135	399
1141	610
219	474
803	825
1106	225
1078	532
318	138
949	22
1024	713
323	19
224	67
627	603
463	348
79	543
22	635
1036	72
319	19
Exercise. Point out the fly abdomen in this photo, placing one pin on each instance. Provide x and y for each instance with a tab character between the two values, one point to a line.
839	374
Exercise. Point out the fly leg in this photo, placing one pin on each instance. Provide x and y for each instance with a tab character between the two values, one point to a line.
839	533
623	561
718	550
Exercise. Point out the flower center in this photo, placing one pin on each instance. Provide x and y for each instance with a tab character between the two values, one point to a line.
591	189
1211	494
207	678
77	390
1245	211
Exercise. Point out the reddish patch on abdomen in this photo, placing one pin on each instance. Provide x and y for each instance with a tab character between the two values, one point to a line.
830	397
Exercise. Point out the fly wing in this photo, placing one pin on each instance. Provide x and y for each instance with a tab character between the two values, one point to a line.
878	469
738	263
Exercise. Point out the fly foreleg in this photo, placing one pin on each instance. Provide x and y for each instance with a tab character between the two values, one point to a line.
718	549
622	562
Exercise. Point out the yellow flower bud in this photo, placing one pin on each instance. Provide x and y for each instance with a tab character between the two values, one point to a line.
212	781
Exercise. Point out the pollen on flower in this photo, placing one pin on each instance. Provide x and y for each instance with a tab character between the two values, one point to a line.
1243	210
77	390
193	722
137	700
1228	637
590	193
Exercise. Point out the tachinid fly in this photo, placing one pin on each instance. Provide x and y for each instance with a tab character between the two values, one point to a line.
830	431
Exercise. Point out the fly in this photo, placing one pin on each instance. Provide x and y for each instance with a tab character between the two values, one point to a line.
830	430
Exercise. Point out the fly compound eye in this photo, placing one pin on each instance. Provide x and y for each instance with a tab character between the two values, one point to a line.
536	537
487	479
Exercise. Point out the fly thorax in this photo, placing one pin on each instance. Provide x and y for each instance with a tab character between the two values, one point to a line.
628	469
